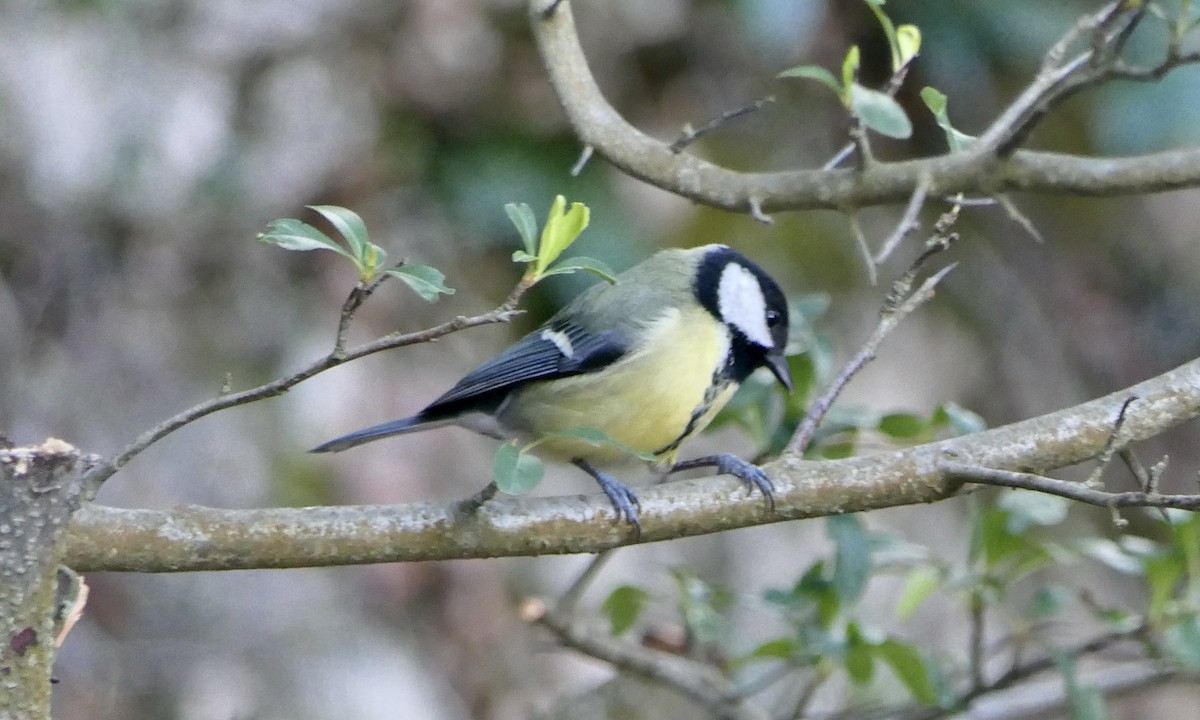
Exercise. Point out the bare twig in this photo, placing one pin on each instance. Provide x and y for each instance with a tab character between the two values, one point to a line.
888	321
338	356
690	134
584	156
1057	80
908	221
697	680
975	649
757	213
1015	214
864	249
1070	490
570	598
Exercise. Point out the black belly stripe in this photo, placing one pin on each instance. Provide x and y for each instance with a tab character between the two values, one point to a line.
720	381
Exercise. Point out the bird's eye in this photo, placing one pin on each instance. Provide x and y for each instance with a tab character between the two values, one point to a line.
773	318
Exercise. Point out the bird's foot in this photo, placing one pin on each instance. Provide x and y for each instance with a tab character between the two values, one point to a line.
624	501
728	464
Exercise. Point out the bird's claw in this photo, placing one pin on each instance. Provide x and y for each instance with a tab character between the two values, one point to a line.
728	464
624	501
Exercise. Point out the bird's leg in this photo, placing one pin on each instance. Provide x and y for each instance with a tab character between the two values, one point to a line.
623	500
728	464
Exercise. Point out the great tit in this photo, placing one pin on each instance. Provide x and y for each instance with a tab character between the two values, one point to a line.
648	361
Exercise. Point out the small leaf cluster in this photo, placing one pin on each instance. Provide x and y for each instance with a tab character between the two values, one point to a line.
876	110
356	246
542	251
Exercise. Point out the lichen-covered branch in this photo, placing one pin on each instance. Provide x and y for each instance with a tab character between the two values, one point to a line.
197	538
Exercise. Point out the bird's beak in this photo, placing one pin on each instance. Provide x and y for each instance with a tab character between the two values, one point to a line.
778	365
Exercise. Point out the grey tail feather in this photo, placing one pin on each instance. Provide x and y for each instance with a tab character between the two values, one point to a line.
388	429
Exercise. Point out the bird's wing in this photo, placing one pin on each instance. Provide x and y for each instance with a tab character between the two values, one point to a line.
556	350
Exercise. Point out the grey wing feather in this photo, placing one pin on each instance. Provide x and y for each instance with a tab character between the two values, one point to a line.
536	357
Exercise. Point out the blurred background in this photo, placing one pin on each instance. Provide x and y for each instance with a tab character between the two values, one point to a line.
144	144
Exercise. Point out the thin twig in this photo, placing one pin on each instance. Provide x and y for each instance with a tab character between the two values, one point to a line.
1105	456
888	321
864	249
757	213
690	134
570	598
1062	488
1015	214
501	314
697	680
1057	80
584	156
908	221
975	645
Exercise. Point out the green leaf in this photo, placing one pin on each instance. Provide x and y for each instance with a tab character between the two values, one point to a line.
523	257
292	234
1110	554
961	420
424	280
994	540
908	43
909	667
1048	602
1182	641
920	584
585	264
1163	575
1087	703
814	72
624	606
852	557
522	216
351	227
516	472
859	659
936	102
879	112
778	649
1027	508
901	426
701	606
562	228
849	72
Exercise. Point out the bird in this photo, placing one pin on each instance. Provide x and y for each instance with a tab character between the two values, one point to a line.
648	360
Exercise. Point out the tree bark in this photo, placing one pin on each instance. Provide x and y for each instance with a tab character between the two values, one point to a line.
40	488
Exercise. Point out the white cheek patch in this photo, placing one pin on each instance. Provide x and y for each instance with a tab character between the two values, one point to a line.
741	304
561	341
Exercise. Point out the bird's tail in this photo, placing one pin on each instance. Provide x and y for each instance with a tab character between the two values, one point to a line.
388	429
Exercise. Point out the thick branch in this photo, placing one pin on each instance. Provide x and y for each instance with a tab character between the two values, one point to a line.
40	488
974	171
195	538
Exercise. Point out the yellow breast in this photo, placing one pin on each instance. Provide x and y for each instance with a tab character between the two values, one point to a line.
647	401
